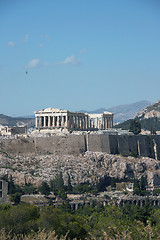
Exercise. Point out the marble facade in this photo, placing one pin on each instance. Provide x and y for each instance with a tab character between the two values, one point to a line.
52	118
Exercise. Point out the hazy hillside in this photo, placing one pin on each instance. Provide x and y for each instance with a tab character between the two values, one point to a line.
152	111
149	118
14	121
123	112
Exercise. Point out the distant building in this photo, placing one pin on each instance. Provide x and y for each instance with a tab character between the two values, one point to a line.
9	131
52	118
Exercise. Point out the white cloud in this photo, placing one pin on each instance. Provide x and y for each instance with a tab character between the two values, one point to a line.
26	37
11	44
33	63
83	50
70	60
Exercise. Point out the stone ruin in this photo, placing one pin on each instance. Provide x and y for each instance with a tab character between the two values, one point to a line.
53	119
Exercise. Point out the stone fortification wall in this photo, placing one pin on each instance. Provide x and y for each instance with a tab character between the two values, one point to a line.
98	143
148	146
72	144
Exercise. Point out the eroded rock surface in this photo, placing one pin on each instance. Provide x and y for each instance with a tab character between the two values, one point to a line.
90	166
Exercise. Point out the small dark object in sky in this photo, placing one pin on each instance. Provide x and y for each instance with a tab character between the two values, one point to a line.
26	72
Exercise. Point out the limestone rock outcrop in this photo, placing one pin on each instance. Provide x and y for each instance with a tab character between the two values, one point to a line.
90	166
150	112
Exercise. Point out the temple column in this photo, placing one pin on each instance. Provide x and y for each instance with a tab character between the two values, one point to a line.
54	120
66	121
44	121
95	122
90	123
109	123
62	122
84	120
69	121
75	125
112	122
104	124
99	123
58	121
49	121
78	123
74	122
40	121
82	123
87	122
36	122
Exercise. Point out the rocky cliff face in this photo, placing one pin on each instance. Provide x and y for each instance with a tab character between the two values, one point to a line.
90	166
150	112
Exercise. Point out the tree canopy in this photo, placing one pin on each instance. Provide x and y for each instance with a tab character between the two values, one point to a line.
135	126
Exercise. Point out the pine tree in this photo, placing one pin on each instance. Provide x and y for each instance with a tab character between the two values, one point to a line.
135	127
136	187
143	183
44	188
69	187
11	186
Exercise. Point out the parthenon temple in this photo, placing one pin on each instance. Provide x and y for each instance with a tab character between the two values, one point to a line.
52	118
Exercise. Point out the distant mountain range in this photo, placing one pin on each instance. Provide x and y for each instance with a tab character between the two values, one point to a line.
16	121
123	112
149	118
152	111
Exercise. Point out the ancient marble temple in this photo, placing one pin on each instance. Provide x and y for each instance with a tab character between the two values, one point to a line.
52	118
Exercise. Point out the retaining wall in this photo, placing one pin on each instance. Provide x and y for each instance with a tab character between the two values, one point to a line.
148	146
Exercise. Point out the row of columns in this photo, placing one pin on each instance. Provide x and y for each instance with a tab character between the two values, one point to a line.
51	121
101	123
139	202
78	122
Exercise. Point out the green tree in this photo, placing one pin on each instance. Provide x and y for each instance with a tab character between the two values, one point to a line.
113	183
16	197
11	186
28	188
143	183
82	188
103	183
19	219
135	126
69	187
58	187
44	188
136	187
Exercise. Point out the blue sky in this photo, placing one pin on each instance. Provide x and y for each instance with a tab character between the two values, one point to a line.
79	54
